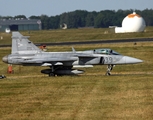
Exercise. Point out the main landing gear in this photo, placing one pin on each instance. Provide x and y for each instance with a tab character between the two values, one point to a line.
52	74
109	69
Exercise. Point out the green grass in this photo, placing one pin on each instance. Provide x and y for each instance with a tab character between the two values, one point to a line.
83	97
126	95
76	35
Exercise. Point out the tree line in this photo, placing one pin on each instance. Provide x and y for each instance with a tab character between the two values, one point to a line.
82	18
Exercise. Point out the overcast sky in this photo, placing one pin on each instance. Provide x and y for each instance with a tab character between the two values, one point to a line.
57	7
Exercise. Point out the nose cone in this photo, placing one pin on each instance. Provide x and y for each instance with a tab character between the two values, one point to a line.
5	59
131	60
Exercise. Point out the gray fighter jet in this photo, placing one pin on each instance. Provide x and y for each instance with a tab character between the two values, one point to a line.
25	53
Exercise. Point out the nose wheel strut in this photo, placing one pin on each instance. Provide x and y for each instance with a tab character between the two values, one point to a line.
109	69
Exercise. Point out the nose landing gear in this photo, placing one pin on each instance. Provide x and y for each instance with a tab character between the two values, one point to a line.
109	69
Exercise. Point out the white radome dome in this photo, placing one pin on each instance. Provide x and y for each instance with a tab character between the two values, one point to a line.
133	23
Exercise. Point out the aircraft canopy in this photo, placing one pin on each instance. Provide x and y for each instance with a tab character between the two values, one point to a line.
106	51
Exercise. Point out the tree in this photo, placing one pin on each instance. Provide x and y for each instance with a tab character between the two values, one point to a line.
45	22
34	17
20	17
90	18
99	21
54	22
74	19
148	16
82	18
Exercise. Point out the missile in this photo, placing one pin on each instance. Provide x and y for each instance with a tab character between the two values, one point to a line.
63	72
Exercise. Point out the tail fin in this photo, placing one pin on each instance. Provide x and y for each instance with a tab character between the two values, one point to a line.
21	44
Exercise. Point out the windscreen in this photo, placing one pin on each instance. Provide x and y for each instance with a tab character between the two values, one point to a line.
106	51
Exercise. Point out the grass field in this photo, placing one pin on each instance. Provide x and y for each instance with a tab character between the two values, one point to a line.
126	95
75	35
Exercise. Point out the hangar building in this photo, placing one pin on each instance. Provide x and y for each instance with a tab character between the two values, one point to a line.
20	24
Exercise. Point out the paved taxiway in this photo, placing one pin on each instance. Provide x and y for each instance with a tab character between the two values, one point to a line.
94	42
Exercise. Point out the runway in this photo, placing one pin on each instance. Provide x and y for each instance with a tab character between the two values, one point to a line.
93	42
101	41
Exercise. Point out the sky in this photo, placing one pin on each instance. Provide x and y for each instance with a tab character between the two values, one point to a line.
57	7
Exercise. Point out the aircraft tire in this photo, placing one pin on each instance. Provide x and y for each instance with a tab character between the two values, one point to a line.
51	74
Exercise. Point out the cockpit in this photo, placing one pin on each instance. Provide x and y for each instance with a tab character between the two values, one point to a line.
106	51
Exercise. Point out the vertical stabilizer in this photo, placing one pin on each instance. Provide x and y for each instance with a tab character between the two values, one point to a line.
21	44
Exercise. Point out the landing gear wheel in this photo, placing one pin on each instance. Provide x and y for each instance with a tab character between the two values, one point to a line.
109	69
108	73
51	74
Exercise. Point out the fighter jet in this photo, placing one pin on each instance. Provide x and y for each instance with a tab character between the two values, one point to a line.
25	53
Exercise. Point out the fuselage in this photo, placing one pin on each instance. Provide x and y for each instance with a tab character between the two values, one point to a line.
69	58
